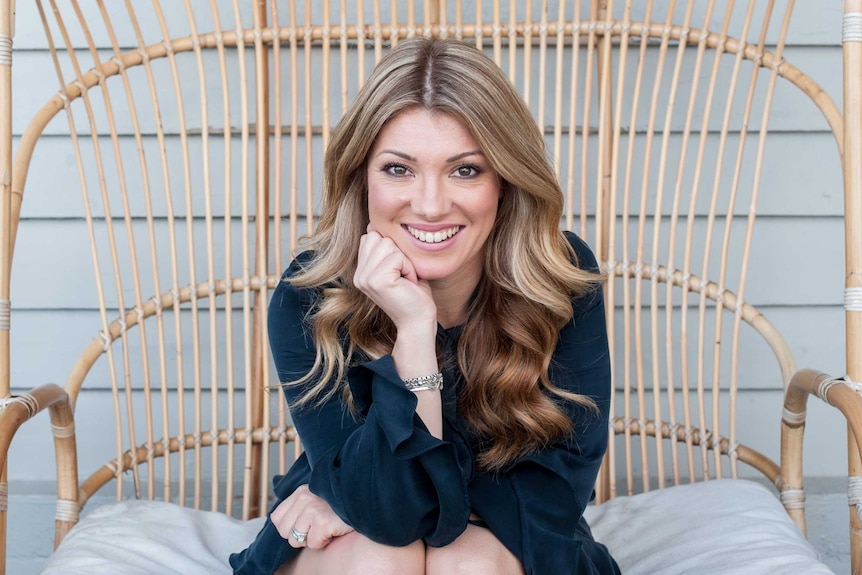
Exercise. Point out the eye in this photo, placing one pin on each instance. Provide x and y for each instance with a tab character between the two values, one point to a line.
397	170
467	171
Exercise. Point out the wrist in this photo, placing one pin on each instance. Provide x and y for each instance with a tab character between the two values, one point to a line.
430	382
417	340
415	351
417	328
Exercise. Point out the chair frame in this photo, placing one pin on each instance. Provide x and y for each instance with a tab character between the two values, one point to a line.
841	392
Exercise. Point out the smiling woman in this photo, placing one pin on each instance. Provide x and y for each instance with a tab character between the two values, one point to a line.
446	429
442	344
438	207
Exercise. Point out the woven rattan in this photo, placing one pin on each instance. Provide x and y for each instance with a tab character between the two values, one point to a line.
198	129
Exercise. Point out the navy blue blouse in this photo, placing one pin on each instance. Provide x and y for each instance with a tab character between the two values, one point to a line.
385	475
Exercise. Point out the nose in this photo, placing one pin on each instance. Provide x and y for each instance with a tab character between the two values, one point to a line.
431	200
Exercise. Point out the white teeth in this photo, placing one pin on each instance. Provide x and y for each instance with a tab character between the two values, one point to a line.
433	237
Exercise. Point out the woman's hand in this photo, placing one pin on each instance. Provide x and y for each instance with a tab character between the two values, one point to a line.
306	513
387	276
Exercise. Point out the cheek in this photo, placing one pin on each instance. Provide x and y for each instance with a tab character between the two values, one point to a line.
373	195
372	204
380	204
489	208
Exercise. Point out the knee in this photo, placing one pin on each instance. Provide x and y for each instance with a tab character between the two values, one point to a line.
372	558
442	561
386	564
475	552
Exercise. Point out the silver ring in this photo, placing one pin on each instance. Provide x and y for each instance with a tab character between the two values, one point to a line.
298	535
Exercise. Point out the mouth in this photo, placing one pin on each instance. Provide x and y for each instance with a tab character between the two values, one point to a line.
433	237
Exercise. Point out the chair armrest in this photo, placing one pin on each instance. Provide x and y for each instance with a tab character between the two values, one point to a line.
835	391
18	409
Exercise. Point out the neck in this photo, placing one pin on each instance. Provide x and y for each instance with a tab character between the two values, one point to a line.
452	299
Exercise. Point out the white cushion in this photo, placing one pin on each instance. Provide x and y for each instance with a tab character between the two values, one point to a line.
151	537
723	526
726	526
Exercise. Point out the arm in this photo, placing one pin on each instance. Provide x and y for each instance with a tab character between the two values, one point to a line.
388	278
383	472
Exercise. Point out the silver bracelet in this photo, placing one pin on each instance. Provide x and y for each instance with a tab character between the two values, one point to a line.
433	382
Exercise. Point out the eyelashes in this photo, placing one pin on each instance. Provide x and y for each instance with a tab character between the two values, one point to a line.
472	170
395	169
463	171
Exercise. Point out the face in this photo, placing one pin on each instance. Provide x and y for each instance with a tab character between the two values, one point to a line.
433	192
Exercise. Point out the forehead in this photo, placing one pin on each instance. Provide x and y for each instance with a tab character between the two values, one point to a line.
423	130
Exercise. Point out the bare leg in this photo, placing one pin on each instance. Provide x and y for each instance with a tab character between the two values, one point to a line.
476	552
355	554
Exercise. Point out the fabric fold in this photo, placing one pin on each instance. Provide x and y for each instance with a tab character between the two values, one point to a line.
377	383
383	473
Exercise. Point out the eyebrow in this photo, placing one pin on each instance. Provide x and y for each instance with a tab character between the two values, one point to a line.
457	157
410	158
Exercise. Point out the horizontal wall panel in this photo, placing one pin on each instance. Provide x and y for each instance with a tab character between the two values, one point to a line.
759	422
96	442
791	260
190	173
813	335
801	176
796	267
812	23
781	252
60	249
790	111
45	345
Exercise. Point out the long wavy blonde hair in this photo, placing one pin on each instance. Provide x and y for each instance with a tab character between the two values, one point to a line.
525	296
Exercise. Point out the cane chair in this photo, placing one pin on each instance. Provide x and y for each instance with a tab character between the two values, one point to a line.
197	132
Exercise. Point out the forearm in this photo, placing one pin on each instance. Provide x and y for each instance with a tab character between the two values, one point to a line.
415	355
396	488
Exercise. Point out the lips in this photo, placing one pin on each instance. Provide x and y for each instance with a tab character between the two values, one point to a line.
436	237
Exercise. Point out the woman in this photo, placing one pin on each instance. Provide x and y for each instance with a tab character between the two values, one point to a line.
442	344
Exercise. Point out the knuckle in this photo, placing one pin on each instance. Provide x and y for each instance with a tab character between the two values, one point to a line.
315	544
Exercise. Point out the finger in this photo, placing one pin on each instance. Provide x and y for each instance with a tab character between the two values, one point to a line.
371	246
298	528
283	517
396	266
298	536
408	271
377	253
284	528
381	275
324	531
318	538
369	235
372	260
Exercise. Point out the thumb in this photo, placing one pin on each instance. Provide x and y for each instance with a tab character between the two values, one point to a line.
408	272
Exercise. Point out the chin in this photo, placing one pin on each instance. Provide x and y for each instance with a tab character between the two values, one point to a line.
434	273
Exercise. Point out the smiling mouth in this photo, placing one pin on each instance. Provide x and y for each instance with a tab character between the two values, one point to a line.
433	237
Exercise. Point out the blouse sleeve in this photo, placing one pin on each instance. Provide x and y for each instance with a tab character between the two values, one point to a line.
536	506
381	470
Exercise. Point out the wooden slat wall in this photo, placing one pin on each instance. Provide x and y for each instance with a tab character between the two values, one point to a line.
800	206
